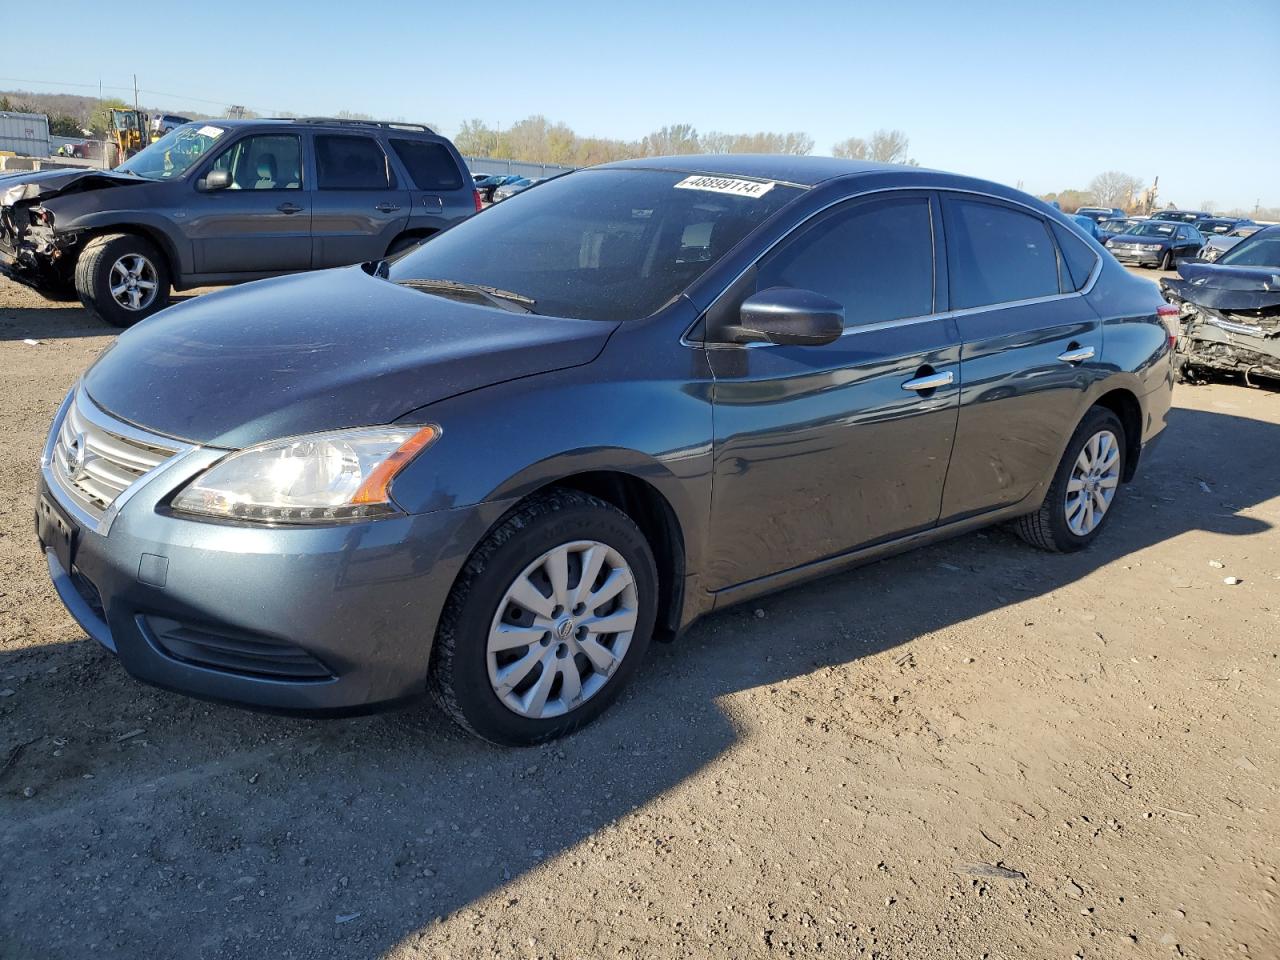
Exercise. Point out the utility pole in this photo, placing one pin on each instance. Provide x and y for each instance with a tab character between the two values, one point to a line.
135	92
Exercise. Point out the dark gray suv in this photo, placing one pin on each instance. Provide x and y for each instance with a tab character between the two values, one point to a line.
615	403
223	201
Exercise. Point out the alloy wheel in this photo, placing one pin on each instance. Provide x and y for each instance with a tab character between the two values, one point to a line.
562	629
1092	486
133	282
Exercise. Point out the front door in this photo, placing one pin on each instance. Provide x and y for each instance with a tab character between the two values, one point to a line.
360	207
1031	347
261	223
821	449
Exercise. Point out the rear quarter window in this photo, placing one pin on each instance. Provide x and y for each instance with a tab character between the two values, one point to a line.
431	166
1078	259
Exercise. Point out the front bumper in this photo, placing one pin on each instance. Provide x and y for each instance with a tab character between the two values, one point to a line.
316	620
1137	258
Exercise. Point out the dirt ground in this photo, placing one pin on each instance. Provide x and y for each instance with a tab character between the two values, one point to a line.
975	750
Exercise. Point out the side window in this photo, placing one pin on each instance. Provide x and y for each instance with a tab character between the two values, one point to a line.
875	258
996	254
350	163
1078	259
430	165
263	162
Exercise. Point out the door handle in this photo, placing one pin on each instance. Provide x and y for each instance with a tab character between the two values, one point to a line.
1076	355
387	207
289	208
930	381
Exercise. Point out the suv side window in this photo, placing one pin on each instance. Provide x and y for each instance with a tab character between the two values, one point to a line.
875	257
265	161
345	162
430	165
996	254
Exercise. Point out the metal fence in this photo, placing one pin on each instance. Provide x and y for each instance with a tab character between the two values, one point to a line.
490	166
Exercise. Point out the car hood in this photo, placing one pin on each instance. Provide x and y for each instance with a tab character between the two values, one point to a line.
50	183
320	351
1133	238
1226	287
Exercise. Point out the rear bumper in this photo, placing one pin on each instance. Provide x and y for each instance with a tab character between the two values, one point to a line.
331	620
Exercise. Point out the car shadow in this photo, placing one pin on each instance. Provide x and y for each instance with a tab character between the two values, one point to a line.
156	819
56	319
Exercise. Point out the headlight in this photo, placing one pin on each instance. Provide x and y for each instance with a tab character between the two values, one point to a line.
322	478
1150	246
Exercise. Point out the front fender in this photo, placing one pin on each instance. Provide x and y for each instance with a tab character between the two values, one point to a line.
501	443
156	227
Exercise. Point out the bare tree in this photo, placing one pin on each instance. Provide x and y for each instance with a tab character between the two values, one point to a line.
855	148
1115	189
884	146
675	139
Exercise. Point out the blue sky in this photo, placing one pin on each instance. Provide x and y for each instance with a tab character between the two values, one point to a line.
1048	94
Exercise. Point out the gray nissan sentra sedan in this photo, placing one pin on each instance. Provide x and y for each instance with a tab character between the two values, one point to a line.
501	465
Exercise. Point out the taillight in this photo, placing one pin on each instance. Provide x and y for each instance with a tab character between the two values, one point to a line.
1168	313
479	202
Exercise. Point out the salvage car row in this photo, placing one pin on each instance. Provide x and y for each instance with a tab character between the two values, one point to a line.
1163	239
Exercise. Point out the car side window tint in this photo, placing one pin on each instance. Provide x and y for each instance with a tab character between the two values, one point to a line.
346	162
875	258
996	254
263	162
431	166
1078	258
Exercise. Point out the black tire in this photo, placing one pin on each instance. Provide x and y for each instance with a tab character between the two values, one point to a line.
459	675
93	277
1166	262
1047	528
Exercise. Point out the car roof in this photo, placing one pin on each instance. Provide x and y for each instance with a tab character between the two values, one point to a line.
336	123
808	171
804	171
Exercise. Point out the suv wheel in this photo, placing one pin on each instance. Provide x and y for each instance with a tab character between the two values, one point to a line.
122	278
1083	489
547	622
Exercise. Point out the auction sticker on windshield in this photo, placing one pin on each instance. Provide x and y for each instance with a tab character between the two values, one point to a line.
213	133
739	188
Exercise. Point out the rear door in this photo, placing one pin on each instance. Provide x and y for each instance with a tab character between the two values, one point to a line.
360	206
262	222
440	191
1031	347
820	449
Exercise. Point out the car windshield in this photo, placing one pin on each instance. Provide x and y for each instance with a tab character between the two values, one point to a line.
174	153
1260	250
610	244
1115	226
1154	228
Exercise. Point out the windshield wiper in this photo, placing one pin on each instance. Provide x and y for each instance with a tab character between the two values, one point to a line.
515	302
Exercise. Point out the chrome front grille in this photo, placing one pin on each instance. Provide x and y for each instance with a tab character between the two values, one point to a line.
96	457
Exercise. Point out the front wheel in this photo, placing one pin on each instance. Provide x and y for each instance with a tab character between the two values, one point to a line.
122	278
1166	262
548	620
1084	487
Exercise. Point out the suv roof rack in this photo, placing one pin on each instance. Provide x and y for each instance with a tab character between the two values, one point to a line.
381	124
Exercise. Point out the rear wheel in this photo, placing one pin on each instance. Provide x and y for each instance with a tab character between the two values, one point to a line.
1084	487
547	622
122	278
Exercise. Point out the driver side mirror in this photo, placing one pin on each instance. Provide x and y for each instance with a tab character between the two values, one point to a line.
215	180
786	315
